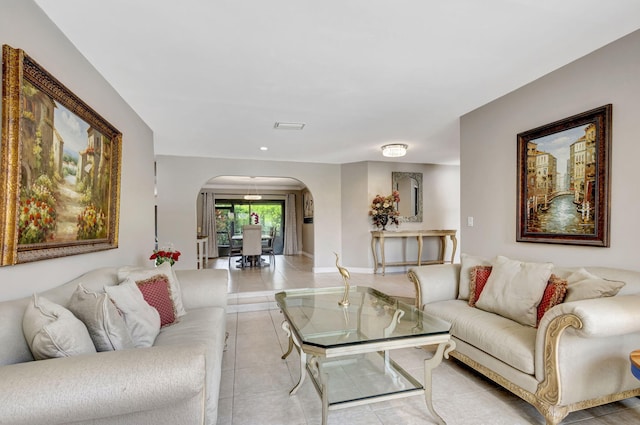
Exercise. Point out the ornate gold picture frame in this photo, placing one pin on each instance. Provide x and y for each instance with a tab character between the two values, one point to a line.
60	168
563	180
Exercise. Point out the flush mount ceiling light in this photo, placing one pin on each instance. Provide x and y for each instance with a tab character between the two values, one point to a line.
288	125
394	150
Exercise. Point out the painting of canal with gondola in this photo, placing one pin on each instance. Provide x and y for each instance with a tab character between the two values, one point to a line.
68	191
564	184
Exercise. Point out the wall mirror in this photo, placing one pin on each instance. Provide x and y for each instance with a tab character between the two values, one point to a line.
409	186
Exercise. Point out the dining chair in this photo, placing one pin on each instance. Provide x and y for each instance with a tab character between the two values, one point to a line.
251	242
235	247
267	248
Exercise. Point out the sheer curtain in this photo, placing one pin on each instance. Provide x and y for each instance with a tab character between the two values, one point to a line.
290	226
209	223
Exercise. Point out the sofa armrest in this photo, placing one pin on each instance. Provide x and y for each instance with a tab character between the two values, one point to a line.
203	288
587	341
600	317
437	282
102	385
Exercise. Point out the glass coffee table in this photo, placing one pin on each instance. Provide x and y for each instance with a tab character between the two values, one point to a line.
345	349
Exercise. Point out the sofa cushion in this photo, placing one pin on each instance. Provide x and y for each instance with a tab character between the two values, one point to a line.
53	331
592	288
142	320
489	332
553	295
137	273
467	262
157	292
101	317
514	289
479	277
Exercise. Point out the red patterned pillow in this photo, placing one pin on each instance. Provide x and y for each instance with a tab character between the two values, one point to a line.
479	276
156	291
553	295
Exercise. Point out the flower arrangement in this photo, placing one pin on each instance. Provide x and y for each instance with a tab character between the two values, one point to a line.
382	209
255	218
165	255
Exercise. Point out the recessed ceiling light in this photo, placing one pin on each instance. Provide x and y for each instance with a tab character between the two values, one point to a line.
264	148
289	125
394	150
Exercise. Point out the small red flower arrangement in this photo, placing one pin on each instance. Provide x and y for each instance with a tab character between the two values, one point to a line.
165	255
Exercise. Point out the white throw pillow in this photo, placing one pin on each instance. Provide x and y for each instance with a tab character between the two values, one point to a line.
580	274
514	289
583	285
467	262
165	268
142	320
53	331
101	317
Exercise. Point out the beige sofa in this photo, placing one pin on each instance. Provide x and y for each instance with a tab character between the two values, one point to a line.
577	357
176	381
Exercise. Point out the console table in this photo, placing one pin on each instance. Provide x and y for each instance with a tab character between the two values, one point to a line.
378	237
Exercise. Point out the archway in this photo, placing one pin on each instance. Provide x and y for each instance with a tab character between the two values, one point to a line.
226	203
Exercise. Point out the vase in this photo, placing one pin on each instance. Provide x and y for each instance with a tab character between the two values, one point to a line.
384	219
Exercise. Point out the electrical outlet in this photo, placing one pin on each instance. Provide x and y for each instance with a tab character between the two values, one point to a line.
470	221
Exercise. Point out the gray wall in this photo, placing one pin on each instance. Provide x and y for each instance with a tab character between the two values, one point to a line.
23	25
488	156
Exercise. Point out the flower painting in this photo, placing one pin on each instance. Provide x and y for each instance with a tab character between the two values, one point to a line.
67	164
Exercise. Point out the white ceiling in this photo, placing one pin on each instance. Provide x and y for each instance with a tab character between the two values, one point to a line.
211	77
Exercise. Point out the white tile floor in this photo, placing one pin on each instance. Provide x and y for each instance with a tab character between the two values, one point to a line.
256	381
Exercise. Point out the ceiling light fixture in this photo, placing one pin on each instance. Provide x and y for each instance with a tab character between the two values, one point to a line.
394	150
289	125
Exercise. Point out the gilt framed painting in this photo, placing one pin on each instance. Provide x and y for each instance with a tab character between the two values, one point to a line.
60	175
564	180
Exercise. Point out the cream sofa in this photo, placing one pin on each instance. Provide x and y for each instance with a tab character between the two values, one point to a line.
176	381
577	357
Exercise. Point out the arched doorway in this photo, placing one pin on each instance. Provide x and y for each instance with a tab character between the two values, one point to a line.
234	201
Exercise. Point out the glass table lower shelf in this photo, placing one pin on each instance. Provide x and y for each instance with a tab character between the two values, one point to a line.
359	379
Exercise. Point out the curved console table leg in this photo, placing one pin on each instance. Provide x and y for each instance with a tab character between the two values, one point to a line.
454	240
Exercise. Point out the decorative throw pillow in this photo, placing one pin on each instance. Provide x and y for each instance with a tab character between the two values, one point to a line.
580	274
101	317
467	262
514	289
553	295
142	320
479	277
165	268
156	291
53	331
592	288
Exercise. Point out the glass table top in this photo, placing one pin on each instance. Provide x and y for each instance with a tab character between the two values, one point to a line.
317	318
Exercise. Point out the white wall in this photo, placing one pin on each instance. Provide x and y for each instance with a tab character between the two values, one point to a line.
180	179
362	181
488	156
23	25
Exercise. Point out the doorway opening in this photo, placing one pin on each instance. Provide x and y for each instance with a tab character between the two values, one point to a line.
232	214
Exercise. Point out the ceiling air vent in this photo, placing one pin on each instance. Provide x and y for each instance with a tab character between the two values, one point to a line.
289	125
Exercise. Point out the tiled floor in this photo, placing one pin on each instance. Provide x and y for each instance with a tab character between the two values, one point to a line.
256	381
